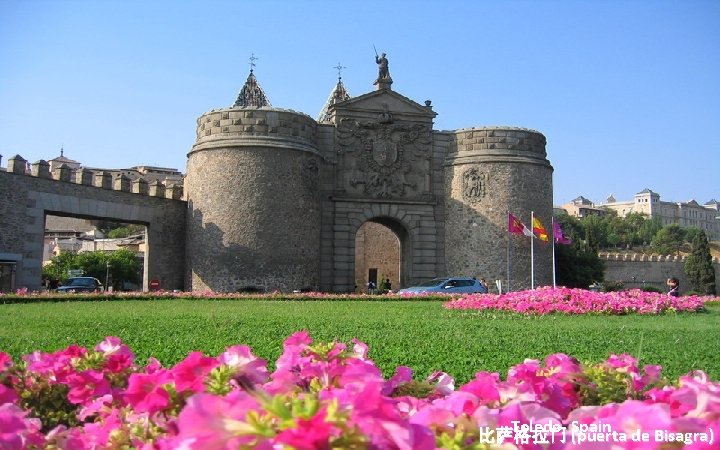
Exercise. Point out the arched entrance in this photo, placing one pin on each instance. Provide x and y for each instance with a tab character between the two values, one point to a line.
379	245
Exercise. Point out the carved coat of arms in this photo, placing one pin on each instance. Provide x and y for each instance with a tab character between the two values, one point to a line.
385	152
473	185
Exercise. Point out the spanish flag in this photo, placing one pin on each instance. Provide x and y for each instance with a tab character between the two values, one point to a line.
539	229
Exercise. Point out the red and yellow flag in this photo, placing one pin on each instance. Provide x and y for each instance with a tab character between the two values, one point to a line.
539	230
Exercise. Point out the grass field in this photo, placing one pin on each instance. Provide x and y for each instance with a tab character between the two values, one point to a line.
418	334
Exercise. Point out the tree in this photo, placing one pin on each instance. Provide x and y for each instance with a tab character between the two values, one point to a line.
593	234
698	266
120	266
669	240
123	232
577	265
59	266
124	266
648	230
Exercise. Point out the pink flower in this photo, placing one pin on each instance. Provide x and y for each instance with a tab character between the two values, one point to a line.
16	430
56	366
246	365
118	356
86	385
97	434
7	395
210	422
5	361
310	434
360	349
444	383
145	392
190	373
401	376
484	387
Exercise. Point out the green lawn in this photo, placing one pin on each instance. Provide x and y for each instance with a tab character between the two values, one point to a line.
419	334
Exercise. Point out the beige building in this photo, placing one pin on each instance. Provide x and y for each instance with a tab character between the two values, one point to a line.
582	207
685	214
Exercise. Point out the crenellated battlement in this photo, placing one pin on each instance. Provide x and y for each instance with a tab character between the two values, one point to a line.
500	138
257	122
641	257
96	178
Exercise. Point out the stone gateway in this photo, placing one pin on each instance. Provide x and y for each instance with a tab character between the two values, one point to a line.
275	200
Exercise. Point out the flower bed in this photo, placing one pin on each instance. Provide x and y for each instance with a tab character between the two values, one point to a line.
578	301
331	395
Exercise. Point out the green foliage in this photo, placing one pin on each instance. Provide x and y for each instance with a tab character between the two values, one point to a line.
612	286
576	264
604	384
415	333
669	240
59	266
47	401
124	266
595	235
650	289
698	266
414	388
125	231
121	265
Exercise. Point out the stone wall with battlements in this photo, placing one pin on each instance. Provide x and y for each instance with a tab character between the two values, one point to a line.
636	270
26	198
228	124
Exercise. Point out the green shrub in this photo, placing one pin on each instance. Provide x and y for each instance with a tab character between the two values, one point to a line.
612	286
650	289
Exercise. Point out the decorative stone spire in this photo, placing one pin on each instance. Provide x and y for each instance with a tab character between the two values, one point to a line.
338	94
251	94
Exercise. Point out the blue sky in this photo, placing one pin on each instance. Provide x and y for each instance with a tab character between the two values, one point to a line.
626	92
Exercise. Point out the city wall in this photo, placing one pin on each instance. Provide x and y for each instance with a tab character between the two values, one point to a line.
638	270
27	197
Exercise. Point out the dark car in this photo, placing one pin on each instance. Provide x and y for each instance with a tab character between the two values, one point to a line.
447	285
81	284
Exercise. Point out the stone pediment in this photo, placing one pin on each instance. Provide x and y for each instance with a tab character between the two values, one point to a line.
383	100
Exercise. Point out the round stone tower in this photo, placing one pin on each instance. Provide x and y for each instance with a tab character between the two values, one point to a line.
497	170
252	192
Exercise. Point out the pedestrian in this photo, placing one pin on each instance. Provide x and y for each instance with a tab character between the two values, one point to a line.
484	284
371	287
674	285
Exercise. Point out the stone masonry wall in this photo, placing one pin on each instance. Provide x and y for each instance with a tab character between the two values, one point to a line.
25	199
265	121
637	270
492	171
254	208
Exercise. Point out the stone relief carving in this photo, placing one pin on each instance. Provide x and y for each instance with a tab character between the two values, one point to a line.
473	185
385	153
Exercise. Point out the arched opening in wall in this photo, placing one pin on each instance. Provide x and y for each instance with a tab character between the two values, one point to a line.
110	251
379	247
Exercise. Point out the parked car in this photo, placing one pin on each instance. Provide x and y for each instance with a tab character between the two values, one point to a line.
81	284
447	285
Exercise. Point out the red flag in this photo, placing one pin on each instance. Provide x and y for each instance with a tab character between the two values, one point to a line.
517	227
558	234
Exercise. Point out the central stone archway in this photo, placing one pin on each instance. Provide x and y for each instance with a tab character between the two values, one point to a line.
378	253
417	232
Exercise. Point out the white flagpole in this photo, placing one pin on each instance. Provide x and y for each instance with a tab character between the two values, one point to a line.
532	250
552	223
508	251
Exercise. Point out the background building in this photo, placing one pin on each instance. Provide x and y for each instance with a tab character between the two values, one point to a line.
685	214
